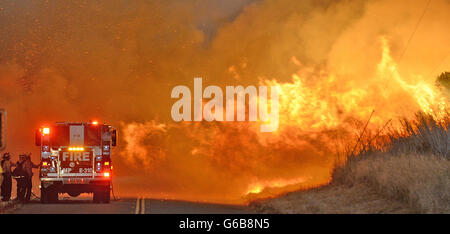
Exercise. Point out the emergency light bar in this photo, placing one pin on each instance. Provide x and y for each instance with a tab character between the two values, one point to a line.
76	148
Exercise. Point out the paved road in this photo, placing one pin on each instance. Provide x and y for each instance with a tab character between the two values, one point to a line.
129	206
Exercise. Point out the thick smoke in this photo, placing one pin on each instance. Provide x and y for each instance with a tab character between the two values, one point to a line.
117	61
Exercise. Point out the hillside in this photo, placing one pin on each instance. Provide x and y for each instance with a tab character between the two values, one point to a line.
409	172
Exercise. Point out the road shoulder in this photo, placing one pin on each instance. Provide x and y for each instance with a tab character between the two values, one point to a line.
9	206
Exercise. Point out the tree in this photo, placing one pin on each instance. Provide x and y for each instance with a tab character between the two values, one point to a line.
443	80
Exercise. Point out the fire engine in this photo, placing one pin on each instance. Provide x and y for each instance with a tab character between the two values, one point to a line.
75	159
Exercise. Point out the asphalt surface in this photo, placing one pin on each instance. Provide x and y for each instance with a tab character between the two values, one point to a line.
128	206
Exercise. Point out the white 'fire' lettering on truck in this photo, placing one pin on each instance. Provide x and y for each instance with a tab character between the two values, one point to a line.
76	156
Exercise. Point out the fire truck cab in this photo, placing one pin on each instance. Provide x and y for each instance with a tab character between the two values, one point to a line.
75	159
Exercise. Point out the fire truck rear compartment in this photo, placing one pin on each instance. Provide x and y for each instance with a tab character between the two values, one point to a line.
76	159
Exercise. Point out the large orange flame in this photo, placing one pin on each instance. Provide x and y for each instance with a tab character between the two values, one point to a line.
314	105
118	61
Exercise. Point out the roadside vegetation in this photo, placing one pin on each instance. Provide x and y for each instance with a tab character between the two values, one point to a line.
396	170
413	167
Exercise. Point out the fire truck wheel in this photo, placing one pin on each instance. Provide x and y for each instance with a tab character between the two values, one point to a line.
98	197
52	195
44	197
49	195
107	196
102	196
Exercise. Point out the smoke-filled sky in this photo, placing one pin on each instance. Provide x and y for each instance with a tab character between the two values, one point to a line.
117	61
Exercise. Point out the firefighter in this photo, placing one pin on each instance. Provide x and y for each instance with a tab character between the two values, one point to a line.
28	165
1	181
19	176
6	165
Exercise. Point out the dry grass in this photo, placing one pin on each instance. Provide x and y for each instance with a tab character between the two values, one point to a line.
332	199
405	170
420	181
